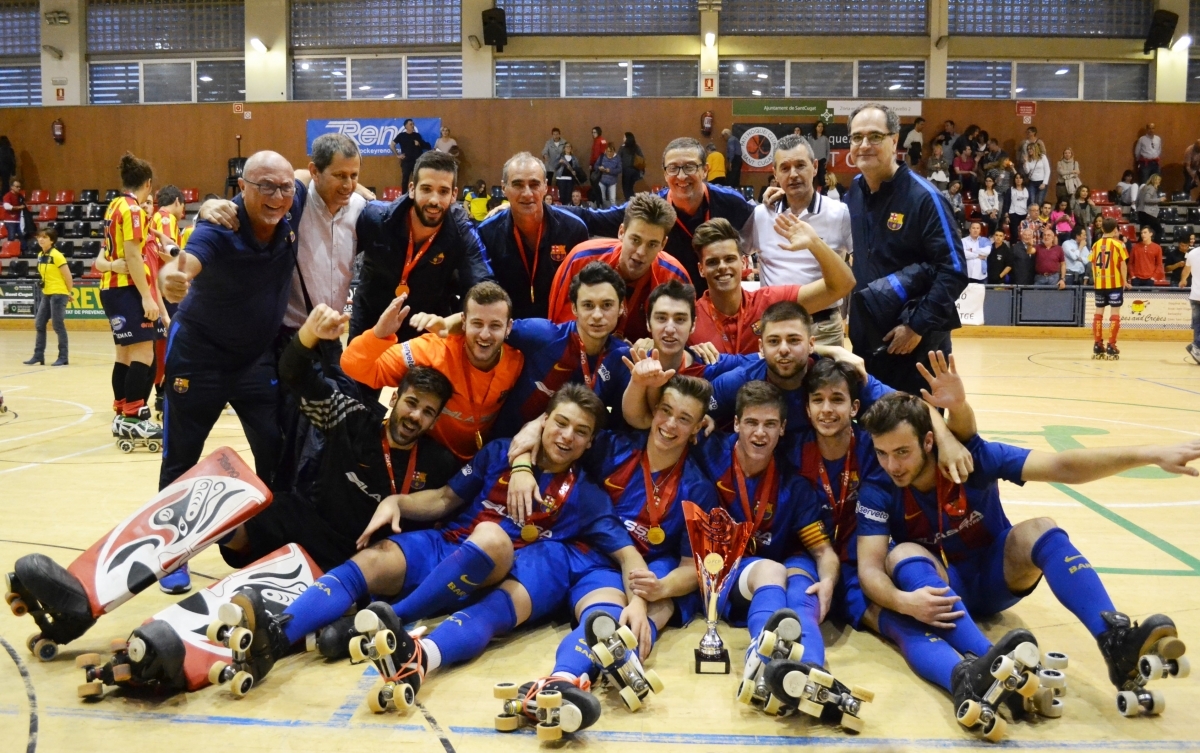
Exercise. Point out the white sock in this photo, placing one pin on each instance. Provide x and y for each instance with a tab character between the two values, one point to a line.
433	655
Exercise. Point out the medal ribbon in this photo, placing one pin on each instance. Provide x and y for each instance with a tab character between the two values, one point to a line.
945	504
655	506
719	319
553	498
387	461
837	504
466	375
766	490
531	271
588	377
410	261
707	215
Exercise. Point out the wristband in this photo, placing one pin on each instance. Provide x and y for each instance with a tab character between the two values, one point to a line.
525	468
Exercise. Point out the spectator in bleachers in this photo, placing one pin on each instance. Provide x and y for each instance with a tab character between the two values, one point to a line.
411	145
964	169
1062	221
1175	257
992	156
733	158
831	186
1000	260
1068	176
552	150
475	201
953	195
947	135
569	173
55	294
609	168
820	149
577	200
1037	171
1018	202
979	146
937	169
1049	263
1148	199
715	160
976	247
1038	219
914	143
13	210
1077	251
599	144
445	143
967	139
772	182
8	164
1031	138
1146	262
1084	209
1191	167
1023	252
989	204
1147	153
1127	189
633	165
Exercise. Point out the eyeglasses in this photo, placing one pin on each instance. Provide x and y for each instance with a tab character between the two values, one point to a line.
875	138
691	168
270	189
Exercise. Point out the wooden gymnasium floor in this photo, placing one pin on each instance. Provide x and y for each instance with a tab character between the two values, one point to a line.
59	493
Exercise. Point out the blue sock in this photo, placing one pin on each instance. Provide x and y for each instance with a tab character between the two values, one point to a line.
573	656
465	634
927	654
1072	579
326	600
765	602
451	582
917	572
808	608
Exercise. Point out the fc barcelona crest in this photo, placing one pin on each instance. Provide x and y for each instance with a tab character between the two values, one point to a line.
756	328
180	385
896	221
438	259
558	253
418	481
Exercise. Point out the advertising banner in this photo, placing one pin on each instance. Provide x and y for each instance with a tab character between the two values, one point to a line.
17	300
758	145
1149	308
373	135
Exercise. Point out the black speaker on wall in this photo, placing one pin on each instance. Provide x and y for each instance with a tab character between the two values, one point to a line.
495	28
1162	28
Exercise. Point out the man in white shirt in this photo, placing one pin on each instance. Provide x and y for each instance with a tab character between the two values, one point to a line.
1192	270
914	143
976	247
1147	152
795	168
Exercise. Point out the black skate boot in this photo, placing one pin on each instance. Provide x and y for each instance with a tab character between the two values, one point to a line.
814	691
1097	350
1113	353
333	640
150	660
779	639
555	704
980	684
57	601
396	654
1138	653
253	634
614	650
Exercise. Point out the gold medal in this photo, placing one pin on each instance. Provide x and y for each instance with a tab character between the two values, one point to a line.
401	289
479	440
656	535
529	533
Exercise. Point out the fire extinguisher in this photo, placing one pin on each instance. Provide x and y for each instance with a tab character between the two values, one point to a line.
59	131
706	123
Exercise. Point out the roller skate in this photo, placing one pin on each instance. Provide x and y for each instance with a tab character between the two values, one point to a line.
394	652
779	639
980	684
1098	351
62	615
814	691
140	432
1137	654
555	704
158	404
1192	351
613	648
333	640
1052	686
1112	353
151	658
253	634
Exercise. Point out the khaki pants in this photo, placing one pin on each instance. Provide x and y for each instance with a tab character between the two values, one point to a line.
831	331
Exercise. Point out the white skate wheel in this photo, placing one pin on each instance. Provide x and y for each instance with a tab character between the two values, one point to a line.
505	691
602	654
1052	678
137	649
1054	660
627	637
549	699
230	614
794	683
403	696
377	699
745	692
822	678
570	718
1158	703
811	708
366	621
507	722
1027	655
1003	667
994	731
852	723
766	643
1054	710
968	713
1183	668
1151	666
549	732
654	681
632	702
1127	703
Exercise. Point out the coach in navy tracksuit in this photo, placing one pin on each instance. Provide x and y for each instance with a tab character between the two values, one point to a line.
234	286
909	266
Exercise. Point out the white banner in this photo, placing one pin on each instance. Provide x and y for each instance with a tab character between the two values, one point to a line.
970	304
1148	308
905	108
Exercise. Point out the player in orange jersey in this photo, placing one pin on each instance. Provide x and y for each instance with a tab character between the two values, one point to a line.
1109	259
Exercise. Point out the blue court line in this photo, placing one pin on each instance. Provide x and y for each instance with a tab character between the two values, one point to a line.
223	720
355	699
847	741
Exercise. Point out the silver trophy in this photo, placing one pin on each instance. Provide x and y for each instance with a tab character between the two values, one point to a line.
717	546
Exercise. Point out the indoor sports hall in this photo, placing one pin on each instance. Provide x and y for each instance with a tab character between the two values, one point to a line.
195	87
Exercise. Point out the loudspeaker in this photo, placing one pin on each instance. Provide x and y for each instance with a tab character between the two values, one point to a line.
1162	28
495	28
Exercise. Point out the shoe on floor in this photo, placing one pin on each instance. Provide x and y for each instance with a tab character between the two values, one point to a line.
60	362
178	582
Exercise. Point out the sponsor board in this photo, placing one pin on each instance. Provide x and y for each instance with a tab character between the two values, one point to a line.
374	136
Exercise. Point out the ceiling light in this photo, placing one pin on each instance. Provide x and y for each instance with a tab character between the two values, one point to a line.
390	96
739	67
894	87
364	88
1020	89
763	75
304	66
206	79
756	93
339	74
257	44
1061	71
622	65
710	39
1183	42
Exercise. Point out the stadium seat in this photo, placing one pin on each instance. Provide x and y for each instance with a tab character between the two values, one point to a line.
391	193
971	211
93	274
497	193
76	267
747	192
59	227
553	193
38	196
111	194
1129	231
1101	199
1193	215
10	250
67	248
20	268
89	196
63	197
70	212
29	250
93	212
1182	232
1181	196
89	249
190	195
1168	215
3	231
80	230
234	168
1112	211
48	213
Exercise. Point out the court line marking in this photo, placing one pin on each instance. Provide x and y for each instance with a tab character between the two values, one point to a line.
1090	402
219	719
37	463
87	413
1115	506
30	695
1109	374
1083	418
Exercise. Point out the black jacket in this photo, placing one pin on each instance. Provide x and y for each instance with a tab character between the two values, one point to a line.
561	232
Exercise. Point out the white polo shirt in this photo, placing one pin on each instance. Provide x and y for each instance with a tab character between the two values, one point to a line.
325	256
778	266
977	251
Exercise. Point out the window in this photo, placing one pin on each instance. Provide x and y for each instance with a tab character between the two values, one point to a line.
666	78
787	17
978	79
22	24
600	17
320	24
435	77
891	79
318	78
376	78
1048	80
166	82
528	79
114	83
1193	93
607	79
1116	81
752	78
220	80
1193	20
1123	19
120	26
20	85
822	80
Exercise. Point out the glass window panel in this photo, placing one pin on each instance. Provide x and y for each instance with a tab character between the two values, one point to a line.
1194	19
167	82
22	25
978	79
1193	92
752	78
20	85
1047	81
835	80
220	80
666	78
161	25
376	78
1116	81
374	23
891	79
1123	19
605	79
113	83
600	17
528	79
437	77
787	17
318	78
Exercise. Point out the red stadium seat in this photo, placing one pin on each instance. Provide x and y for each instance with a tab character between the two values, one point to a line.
64	197
1100	199
553	192
190	195
38	196
3	230
10	250
48	213
1112	211
971	211
93	274
391	193
1128	231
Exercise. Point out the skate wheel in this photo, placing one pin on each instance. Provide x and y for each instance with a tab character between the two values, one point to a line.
32	640
766	643
213	633
366	621
654	681
1003	667
1127	703
137	648
18	606
745	692
797	652
377	699
603	656
1182	668
241	684
507	722
90	690
968	713
822	678
570	718
794	683
632	702
122	673
1158	703
549	699
772	706
215	672
1027	655
239	640
862	694
1053	710
994	730
1052	679
405	698
852	723
603	627
11	596
1054	660
84	661
45	649
117	645
1150	667
385	643
230	614
154	445
1169	648
125	446
811	708
627	637
358	649
549	732
505	691
310	643
1029	685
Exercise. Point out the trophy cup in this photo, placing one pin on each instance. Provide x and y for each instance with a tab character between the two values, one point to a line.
717	546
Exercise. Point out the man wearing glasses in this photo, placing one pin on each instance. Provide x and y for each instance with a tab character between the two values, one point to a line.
909	266
695	202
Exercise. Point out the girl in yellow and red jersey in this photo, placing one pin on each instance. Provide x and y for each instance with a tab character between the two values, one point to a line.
165	220
1111	279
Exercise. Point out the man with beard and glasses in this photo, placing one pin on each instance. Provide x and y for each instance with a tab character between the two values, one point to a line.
477	360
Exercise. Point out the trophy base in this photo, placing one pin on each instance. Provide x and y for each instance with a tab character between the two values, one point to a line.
712	665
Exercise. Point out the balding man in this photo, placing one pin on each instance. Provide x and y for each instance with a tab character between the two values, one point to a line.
234	287
1147	153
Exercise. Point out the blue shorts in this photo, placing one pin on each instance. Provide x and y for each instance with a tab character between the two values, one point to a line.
423	551
1114	297
849	603
980	581
558	575
127	318
686	607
